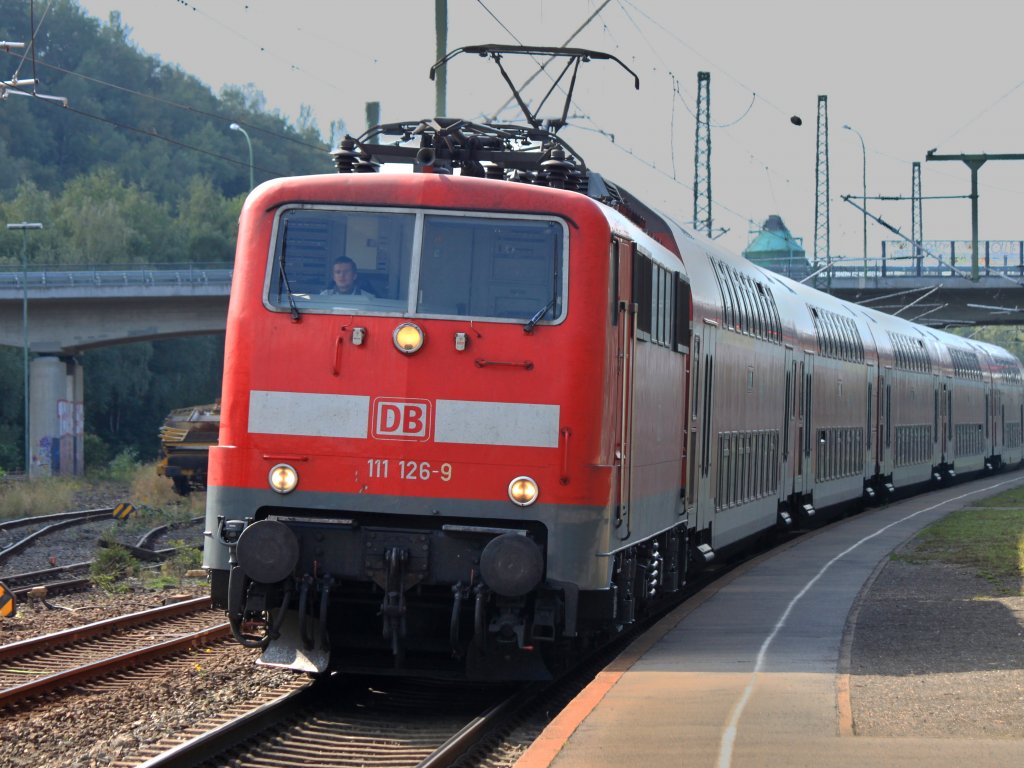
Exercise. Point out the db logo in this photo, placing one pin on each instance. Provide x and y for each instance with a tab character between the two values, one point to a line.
397	419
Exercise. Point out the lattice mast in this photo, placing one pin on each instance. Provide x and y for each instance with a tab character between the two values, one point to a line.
916	224
702	157
821	190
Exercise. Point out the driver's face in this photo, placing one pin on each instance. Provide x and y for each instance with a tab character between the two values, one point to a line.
344	277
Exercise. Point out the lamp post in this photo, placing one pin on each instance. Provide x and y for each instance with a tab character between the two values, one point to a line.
237	127
864	156
24	227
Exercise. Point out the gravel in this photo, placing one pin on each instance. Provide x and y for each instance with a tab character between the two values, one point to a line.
937	653
101	723
108	723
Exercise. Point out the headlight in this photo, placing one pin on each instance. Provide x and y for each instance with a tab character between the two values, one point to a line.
523	491
408	338
283	478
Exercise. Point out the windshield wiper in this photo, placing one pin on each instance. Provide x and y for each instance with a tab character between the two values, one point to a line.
528	327
283	276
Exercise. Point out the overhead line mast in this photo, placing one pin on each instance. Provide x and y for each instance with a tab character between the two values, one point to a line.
821	190
916	221
702	157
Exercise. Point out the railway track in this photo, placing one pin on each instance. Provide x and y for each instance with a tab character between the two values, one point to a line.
72	577
51	581
44	524
351	722
39	666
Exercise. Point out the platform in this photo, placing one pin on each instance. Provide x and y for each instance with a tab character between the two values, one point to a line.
754	670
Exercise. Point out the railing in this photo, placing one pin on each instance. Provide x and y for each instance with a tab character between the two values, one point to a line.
948	259
112	276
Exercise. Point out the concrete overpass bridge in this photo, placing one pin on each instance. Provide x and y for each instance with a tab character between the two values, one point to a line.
72	309
934	291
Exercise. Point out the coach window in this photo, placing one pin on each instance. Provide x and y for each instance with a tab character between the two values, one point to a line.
748	314
726	298
755	305
491	267
406	263
681	314
643	293
377	245
737	309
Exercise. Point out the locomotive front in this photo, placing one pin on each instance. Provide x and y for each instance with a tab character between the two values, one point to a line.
411	472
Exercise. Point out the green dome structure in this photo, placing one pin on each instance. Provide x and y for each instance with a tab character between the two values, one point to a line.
776	249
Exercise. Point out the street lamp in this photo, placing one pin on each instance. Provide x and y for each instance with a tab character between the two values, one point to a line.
24	227
237	127
864	155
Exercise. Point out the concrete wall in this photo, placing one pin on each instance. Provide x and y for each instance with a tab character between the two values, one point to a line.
56	417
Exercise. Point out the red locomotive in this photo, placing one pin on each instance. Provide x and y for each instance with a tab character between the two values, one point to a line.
473	421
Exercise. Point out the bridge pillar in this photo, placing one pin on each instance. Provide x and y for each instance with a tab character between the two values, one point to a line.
56	417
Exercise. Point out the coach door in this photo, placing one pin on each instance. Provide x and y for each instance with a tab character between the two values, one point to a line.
809	442
870	438
625	321
799	477
701	488
789	427
885	455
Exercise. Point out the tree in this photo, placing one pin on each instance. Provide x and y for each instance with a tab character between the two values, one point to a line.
142	173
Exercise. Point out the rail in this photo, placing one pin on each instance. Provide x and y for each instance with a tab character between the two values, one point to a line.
117	276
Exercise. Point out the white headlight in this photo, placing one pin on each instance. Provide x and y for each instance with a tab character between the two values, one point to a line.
523	491
283	478
408	338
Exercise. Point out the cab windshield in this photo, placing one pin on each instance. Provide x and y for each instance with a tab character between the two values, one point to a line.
416	263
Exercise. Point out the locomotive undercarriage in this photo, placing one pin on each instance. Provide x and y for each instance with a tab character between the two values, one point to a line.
647	573
362	594
457	599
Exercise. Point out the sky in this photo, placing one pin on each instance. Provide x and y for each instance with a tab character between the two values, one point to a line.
908	75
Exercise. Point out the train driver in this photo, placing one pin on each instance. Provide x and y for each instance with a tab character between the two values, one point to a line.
344	275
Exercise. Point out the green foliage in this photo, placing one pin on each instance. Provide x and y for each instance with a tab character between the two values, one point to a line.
111	567
56	145
987	539
109	195
97	452
12	423
124	465
183	560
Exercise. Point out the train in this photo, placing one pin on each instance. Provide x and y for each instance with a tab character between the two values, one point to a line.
535	406
185	439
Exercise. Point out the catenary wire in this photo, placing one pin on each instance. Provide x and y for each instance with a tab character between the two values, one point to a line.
176	105
152	134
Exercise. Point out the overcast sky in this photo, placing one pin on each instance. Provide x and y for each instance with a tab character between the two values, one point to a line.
909	75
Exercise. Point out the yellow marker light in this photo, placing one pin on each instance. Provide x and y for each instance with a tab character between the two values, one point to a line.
523	491
408	338
283	478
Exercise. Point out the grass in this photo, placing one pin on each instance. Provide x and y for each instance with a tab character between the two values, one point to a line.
987	539
24	498
152	490
112	567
